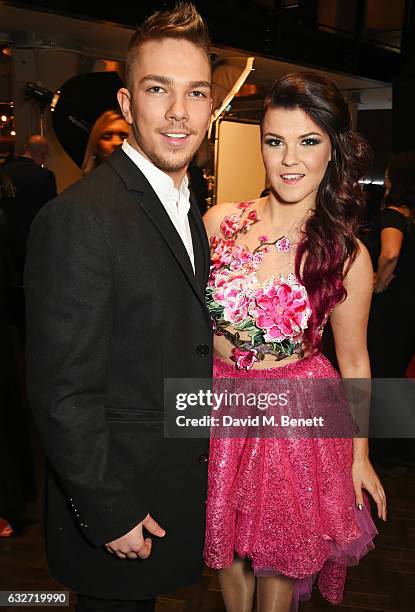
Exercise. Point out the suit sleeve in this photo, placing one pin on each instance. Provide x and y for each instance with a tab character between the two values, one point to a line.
69	297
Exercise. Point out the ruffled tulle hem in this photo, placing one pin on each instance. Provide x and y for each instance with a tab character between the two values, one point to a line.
331	576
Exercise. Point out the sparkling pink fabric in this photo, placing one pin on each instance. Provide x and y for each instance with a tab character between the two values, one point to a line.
287	504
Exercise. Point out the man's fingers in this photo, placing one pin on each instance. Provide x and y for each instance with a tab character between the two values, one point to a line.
120	554
132	545
145	549
132	555
153	527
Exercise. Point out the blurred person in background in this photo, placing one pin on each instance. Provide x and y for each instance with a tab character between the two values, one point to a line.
108	133
391	243
33	185
16	477
391	329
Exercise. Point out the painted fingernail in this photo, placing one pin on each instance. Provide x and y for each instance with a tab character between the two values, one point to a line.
360	506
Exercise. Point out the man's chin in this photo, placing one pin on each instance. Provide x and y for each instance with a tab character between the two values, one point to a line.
171	163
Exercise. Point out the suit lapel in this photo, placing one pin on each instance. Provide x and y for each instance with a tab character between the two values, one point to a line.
200	244
153	208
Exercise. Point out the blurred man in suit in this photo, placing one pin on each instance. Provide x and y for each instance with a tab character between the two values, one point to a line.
34	185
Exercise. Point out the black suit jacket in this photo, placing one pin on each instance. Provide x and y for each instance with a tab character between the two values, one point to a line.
114	308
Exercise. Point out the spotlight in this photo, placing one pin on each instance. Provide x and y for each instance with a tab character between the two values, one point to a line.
40	94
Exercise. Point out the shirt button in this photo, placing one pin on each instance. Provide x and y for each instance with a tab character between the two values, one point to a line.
204	457
202	350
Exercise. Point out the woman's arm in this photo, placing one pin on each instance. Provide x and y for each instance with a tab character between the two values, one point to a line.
349	323
391	240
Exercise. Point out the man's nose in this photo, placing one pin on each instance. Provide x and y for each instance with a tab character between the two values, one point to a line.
178	109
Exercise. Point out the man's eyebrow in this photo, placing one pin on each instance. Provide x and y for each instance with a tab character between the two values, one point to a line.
196	84
168	81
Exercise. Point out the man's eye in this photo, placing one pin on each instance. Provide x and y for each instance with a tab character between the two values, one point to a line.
273	142
155	89
198	94
310	142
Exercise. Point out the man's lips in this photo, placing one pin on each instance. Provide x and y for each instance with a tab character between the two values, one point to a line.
175	138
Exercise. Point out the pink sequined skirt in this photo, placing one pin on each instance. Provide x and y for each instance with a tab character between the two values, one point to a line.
287	504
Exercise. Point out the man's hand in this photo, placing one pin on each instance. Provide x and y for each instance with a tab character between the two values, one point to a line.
133	544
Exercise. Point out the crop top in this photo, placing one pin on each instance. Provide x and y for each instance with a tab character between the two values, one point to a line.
271	315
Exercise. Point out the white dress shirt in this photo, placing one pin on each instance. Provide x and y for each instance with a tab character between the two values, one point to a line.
175	201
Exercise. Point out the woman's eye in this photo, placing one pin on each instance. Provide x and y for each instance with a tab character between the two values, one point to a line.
310	142
106	136
273	142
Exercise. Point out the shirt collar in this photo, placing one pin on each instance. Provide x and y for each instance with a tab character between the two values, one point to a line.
161	182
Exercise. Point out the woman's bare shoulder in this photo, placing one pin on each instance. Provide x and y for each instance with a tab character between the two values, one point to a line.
361	268
215	215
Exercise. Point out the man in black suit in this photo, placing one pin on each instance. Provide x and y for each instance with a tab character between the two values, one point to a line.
115	279
33	185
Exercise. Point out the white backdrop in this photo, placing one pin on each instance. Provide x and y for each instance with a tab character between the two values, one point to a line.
240	174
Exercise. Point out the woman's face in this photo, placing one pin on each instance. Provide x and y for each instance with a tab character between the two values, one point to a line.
112	138
296	153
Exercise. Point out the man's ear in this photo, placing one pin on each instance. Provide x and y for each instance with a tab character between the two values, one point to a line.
124	100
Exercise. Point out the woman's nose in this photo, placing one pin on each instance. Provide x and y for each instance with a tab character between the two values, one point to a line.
290	157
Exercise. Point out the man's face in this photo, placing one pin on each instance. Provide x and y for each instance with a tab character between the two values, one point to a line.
170	103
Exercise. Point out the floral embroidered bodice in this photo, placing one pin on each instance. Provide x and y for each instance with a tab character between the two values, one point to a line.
257	317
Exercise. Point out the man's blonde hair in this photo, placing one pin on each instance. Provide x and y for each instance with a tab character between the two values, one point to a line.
182	22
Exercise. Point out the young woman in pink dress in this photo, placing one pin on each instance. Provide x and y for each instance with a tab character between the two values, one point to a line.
282	513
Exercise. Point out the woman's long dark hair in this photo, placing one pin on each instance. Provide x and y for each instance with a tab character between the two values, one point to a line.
328	245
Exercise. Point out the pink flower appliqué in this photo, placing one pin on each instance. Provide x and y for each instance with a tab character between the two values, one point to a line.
222	253
281	310
244	359
241	257
283	245
231	293
214	241
230	226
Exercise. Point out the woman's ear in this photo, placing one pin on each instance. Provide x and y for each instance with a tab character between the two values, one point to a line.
124	100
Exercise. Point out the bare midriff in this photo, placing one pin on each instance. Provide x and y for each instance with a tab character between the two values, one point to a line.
223	350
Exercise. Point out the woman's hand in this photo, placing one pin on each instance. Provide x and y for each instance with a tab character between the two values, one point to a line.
365	477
